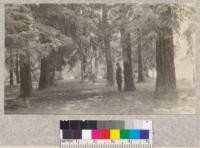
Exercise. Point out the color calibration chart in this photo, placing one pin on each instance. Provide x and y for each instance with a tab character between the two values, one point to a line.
106	134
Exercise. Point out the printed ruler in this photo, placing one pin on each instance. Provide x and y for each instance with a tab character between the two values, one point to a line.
106	134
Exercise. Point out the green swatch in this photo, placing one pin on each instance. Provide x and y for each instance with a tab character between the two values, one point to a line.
124	134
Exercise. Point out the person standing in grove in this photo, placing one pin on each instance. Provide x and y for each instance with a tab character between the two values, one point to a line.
119	77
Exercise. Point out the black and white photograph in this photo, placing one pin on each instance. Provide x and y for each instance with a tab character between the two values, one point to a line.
100	58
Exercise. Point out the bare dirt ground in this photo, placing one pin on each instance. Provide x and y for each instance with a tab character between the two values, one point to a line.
73	97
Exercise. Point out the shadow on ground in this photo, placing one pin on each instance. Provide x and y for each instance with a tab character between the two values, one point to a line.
73	97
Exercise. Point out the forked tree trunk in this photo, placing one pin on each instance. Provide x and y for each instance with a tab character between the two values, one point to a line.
166	79
25	76
140	60
109	64
129	84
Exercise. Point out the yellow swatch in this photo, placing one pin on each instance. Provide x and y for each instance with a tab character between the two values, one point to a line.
114	134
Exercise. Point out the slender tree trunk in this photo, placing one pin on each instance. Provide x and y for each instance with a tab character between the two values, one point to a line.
109	64
52	76
166	79
25	76
140	60
17	69
83	59
83	69
11	77
96	63
129	84
11	68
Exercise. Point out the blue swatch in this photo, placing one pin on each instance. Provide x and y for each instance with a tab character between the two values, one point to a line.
134	134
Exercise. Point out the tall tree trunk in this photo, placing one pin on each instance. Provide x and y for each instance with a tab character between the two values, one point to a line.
11	77
140	60
96	64
47	72
11	68
25	76
43	82
129	84
109	64
83	68
17	69
166	79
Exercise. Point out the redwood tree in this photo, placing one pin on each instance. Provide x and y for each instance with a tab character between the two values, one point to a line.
106	32
18	35
165	67
47	73
11	68
129	84
17	68
140	60
25	76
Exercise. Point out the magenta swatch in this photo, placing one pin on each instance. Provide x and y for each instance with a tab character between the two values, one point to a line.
96	134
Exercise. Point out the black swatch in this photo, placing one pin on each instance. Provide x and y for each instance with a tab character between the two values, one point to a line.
84	124
64	124
67	134
75	124
77	134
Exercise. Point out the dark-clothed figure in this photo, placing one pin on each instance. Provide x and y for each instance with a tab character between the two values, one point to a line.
119	77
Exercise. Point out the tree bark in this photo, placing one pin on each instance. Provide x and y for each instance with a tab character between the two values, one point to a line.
11	77
129	84
140	60
109	64
25	76
83	59
166	79
11	68
17	69
43	82
83	68
47	72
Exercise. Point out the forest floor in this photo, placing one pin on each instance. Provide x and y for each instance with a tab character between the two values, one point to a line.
73	97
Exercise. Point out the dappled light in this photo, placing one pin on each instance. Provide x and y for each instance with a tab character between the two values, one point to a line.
100	59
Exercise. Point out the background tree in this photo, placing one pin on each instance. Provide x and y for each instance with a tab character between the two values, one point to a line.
107	47
122	20
140	58
18	34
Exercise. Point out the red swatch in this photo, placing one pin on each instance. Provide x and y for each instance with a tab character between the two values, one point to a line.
105	134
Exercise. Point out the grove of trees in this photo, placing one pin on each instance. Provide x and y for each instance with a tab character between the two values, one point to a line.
42	39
